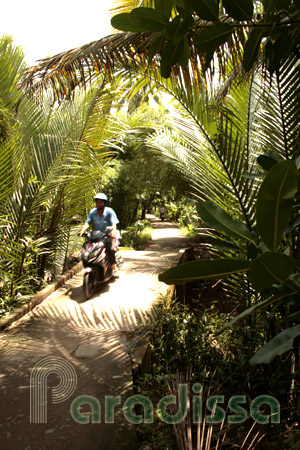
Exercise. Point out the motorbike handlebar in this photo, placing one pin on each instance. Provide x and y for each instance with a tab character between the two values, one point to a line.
99	235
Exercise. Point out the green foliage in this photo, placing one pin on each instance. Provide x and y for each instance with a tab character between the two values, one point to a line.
189	217
185	340
185	349
189	221
203	269
229	180
141	177
270	268
213	36
239	10
140	19
175	211
252	48
267	270
17	288
175	23
207	9
137	236
275	202
220	220
50	157
283	342
293	441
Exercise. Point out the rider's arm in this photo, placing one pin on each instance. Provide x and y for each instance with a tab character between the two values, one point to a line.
83	229
113	232
114	222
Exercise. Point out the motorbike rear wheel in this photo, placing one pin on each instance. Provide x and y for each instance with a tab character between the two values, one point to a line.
89	285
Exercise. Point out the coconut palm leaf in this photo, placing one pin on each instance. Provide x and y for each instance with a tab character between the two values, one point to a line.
214	148
10	68
214	152
278	117
129	51
54	157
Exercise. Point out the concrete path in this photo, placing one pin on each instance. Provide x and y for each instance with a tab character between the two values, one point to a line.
68	347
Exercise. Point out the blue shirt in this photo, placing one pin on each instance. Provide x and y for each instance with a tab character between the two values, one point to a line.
108	218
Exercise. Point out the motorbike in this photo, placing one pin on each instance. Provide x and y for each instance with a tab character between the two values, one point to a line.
97	268
162	216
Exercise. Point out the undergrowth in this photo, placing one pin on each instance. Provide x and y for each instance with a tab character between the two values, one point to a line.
137	235
186	349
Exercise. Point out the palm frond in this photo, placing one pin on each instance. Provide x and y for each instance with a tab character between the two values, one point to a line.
278	118
60	153
10	161
128	51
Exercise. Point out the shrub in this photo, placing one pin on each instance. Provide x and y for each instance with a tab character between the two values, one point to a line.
137	235
185	346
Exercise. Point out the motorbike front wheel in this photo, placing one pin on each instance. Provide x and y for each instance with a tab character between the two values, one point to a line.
89	285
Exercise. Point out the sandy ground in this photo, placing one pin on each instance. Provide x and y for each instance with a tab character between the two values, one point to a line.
68	347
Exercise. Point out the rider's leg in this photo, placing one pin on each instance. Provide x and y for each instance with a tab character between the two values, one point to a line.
110	246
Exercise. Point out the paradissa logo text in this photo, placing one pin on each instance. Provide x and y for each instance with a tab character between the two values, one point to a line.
236	413
263	409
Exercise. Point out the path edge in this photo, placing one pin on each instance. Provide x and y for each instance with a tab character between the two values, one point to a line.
38	298
141	355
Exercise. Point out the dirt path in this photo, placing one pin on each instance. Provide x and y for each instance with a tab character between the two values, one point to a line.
68	347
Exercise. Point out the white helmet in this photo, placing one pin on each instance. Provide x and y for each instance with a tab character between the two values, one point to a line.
101	196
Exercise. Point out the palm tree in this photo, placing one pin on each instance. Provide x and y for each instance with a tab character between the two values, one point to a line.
52	160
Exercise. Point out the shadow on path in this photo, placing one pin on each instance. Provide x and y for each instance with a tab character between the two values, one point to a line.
92	337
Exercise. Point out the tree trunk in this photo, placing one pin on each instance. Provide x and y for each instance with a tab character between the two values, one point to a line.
135	212
144	210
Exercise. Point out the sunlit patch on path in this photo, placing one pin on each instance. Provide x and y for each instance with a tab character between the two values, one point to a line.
94	337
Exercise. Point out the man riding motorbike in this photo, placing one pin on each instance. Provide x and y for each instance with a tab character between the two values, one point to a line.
102	217
162	212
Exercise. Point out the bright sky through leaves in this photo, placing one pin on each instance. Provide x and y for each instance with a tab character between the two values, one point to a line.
46	28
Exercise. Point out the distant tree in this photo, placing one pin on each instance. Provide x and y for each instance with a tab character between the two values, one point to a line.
143	177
